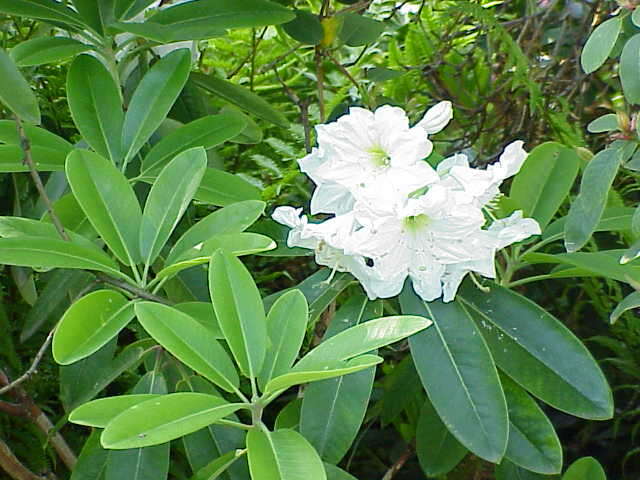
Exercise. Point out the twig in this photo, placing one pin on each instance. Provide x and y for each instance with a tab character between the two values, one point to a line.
25	144
138	292
12	409
395	468
320	80
14	468
303	105
33	368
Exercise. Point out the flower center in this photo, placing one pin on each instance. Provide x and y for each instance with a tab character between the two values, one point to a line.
415	223
379	158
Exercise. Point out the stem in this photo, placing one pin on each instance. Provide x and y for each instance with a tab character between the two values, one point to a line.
524	281
320	81
231	423
25	144
138	292
395	468
34	365
14	468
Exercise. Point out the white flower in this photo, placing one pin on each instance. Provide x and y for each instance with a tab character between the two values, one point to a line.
327	239
436	118
478	186
374	156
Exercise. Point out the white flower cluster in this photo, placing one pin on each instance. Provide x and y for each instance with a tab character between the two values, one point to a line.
393	214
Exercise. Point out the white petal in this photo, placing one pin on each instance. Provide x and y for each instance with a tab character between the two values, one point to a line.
513	229
331	197
288	216
436	118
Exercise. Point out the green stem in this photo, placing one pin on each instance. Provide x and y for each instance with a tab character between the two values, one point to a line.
231	423
523	281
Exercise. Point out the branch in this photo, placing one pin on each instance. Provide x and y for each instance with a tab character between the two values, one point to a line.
25	144
33	368
303	105
395	468
37	416
13	466
138	292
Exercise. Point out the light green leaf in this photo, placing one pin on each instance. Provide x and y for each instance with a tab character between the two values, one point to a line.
237	244
224	188
189	341
165	418
336	473
539	352
438	451
15	227
98	413
465	389
630	69
96	106
168	199
206	132
600	43
314	373
585	468
43	252
48	151
204	314
242	97
586	210
240	312
89	324
217	467
282	455
629	302
631	253
614	219
533	443
43	50
92	459
286	326
234	218
15	92
153	98
362	339
544	181
108	200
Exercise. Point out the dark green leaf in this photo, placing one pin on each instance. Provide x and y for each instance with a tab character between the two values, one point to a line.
629	302
305	28
585	468
15	92
600	43
605	123
39	51
359	30
630	70
42	10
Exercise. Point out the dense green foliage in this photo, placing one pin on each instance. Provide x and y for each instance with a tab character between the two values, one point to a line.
164	287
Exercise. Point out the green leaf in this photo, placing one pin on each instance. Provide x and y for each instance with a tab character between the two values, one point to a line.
585	468
89	324
314	373
168	199
234	218
189	341
15	227
96	14
362	339
286	326
43	50
129	8
438	451
207	18
539	352
631	253
99	413
153	98
510	471
91	461
206	132
630	70
236	244
240	312
15	92
164	418
305	28
222	188
629	302
533	443
586	210
43	252
614	219
217	467
336	473
204	314
604	263
605	123
48	151
108	200
96	106
544	181
42	10
282	455
600	44
465	389
333	411
358	30
242	97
